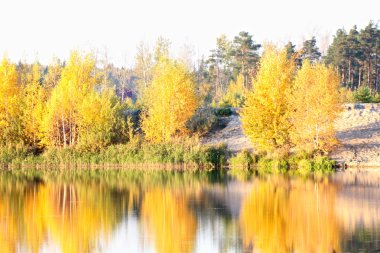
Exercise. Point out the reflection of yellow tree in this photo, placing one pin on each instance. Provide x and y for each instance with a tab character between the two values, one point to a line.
34	217
169	220
74	217
8	227
297	216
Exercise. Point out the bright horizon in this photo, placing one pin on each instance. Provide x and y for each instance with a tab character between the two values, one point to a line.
43	29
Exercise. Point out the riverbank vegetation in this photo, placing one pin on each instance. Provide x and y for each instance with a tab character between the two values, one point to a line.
81	121
88	111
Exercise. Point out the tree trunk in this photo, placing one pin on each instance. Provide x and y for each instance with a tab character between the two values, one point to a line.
63	130
349	71
369	73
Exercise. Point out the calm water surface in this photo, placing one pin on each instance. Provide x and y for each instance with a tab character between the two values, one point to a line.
191	212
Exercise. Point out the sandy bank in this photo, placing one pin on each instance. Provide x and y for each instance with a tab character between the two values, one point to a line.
358	131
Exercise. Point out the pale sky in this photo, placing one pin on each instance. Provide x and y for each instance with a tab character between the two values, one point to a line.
41	29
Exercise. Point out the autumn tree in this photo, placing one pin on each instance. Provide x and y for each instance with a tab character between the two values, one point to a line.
62	108
79	111
265	117
315	105
34	98
170	102
53	74
97	118
10	103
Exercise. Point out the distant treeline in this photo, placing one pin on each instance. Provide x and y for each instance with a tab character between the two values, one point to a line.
354	53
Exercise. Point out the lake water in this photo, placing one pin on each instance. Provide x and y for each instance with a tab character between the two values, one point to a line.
161	212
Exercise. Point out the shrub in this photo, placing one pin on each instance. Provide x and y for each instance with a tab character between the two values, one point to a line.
203	120
323	163
364	95
305	166
244	159
214	155
264	166
223	111
279	166
347	96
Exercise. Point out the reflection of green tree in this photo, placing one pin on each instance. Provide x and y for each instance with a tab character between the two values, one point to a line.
290	216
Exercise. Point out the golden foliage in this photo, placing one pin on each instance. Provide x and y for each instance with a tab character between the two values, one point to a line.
97	116
78	79
75	218
34	98
170	101
284	111
266	111
78	111
10	103
280	216
53	75
169	220
315	103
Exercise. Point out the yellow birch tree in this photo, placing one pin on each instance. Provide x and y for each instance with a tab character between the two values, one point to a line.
265	116
78	79
315	106
10	104
170	101
97	116
34	99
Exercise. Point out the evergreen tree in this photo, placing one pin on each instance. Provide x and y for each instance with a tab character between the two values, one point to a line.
219	66
245	56
310	50
290	50
356	56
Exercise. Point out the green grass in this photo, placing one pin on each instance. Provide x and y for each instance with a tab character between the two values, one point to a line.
181	155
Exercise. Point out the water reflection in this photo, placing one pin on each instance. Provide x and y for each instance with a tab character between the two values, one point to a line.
168	219
72	216
190	213
283	215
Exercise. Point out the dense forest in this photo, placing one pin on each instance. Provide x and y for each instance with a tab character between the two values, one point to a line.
355	54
